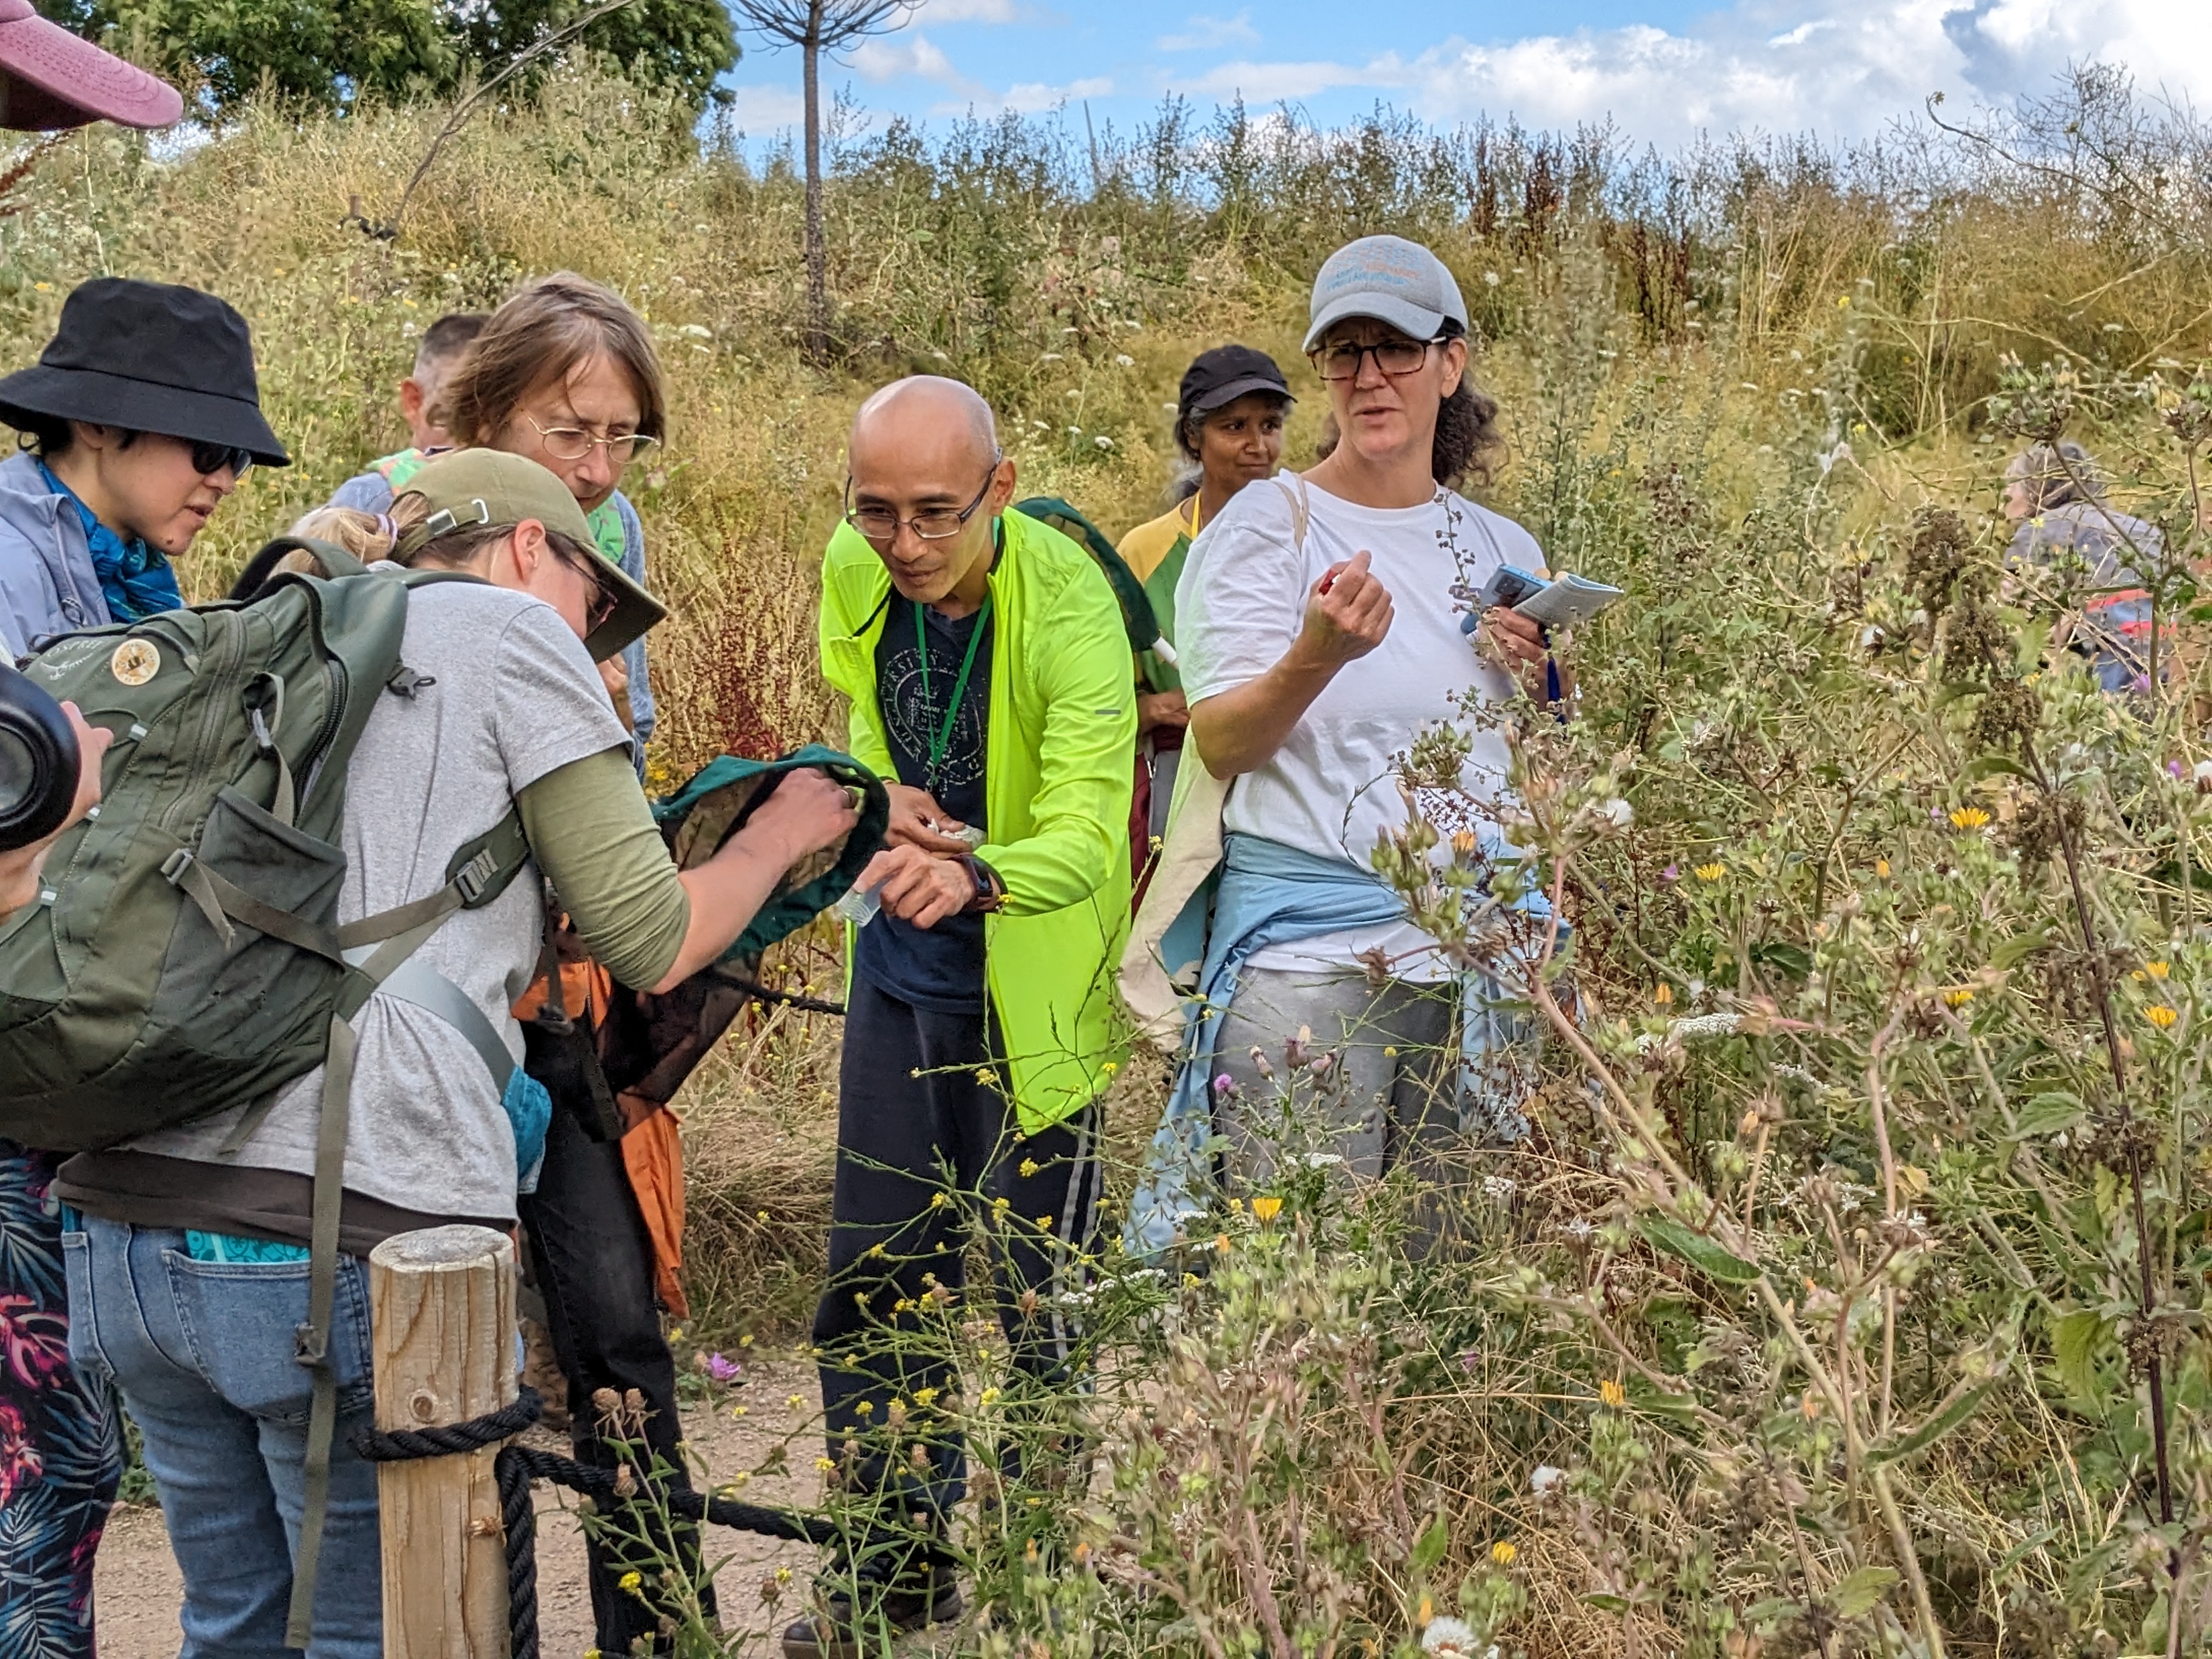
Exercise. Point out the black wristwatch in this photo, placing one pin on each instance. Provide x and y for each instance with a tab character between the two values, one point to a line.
990	891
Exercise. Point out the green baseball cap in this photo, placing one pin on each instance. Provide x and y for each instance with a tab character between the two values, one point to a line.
470	487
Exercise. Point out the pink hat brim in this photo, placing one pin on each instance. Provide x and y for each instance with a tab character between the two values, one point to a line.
49	79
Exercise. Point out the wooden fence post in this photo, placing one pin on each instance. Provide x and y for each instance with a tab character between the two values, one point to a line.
442	1311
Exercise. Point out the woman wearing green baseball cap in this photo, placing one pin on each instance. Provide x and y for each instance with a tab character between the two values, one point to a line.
192	1270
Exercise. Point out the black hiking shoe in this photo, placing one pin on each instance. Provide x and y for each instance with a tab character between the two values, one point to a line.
844	1631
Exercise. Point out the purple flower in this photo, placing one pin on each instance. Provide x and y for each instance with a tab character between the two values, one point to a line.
2141	683
723	1369
2173	769
1224	1085
1672	872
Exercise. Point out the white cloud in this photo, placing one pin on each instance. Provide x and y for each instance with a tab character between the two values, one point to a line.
1204	33
1771	65
889	58
972	11
764	109
1027	97
1031	96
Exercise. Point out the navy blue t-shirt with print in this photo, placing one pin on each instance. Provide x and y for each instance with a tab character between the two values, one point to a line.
940	967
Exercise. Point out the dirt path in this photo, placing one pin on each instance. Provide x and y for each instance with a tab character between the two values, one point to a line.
140	1591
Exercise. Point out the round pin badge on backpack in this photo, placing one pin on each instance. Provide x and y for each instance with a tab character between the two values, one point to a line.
136	661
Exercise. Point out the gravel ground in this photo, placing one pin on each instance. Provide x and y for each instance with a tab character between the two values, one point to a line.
140	1589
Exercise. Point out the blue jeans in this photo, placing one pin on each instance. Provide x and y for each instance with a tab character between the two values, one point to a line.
202	1353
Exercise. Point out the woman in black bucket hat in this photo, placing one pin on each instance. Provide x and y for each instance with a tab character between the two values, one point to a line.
139	417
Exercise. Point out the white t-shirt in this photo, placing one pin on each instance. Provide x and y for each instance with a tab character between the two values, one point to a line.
1330	789
516	697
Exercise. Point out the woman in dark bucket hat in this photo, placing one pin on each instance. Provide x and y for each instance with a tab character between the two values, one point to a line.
139	417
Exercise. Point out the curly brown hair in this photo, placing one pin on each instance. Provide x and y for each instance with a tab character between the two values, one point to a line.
1467	447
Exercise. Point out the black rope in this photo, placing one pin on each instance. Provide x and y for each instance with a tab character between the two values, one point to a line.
517	1465
789	999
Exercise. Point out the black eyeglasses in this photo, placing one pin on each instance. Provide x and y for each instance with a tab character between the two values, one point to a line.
1394	356
881	526
207	460
605	596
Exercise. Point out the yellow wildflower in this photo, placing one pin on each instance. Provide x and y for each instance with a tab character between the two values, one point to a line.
1959	996
1266	1209
866	1407
795	1402
1664	994
1610	1392
937	1200
1029	1168
1426	1613
630	1581
2156	970
1712	872
924	1396
1044	1224
824	1464
2161	1015
1881	868
1109	1067
983	1076
1502	1552
1969	818
1221	1241
1810	1406
989	1397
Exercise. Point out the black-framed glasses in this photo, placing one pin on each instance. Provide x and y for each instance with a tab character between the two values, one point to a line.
1394	356
573	443
881	526
605	596
209	458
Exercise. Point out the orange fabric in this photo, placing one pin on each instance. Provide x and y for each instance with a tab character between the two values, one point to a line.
653	1151
585	988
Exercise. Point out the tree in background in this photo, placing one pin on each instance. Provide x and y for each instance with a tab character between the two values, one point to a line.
332	52
819	27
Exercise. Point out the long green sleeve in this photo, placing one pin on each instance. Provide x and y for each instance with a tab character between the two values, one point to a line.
593	836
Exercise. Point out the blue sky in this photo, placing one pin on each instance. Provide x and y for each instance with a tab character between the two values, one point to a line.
1664	70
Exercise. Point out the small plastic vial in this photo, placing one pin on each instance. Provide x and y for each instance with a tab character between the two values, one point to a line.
859	905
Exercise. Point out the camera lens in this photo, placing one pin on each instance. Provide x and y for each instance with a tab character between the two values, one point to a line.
38	763
19	774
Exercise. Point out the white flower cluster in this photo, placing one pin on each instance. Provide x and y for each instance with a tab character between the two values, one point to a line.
1697	1026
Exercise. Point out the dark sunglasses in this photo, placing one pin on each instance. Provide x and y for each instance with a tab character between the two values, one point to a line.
207	460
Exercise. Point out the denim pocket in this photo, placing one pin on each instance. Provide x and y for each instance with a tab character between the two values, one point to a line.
84	1350
239	1318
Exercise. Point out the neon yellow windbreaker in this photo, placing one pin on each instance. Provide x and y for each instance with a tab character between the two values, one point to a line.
1058	762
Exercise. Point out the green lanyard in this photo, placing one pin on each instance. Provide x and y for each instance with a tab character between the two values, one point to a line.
941	739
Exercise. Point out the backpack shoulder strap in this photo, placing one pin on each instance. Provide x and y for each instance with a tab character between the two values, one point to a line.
1293	486
261	569
478	873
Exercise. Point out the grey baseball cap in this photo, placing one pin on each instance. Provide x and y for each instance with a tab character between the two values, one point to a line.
1391	280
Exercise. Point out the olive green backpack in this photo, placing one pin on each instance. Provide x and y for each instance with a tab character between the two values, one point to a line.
184	955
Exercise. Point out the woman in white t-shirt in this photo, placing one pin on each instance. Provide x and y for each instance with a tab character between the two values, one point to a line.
1320	635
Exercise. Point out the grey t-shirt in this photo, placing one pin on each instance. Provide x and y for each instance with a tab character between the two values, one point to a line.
516	698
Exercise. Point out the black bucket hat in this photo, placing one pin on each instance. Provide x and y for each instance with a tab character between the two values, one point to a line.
147	357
